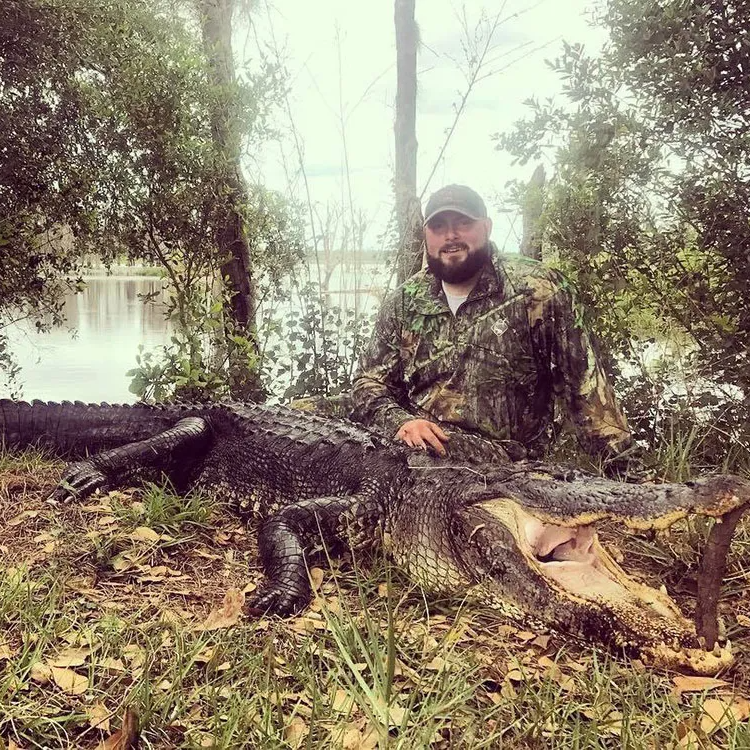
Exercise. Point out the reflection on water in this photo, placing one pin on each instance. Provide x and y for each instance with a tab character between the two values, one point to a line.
110	322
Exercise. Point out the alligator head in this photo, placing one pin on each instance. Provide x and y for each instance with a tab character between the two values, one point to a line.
524	541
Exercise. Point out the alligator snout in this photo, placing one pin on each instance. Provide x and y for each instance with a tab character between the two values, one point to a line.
564	575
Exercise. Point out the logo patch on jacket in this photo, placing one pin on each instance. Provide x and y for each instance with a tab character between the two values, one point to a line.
499	327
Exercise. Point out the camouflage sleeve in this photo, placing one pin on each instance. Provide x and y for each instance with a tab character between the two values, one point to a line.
577	373
378	391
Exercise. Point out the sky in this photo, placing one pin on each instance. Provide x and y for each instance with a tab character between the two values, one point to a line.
340	57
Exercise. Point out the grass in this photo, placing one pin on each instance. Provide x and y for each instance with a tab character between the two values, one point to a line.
101	607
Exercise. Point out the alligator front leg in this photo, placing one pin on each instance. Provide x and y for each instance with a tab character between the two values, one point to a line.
180	444
287	537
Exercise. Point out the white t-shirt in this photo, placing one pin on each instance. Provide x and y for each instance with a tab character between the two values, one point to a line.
454	300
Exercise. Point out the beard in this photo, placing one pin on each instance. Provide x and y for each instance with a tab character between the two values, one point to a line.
457	273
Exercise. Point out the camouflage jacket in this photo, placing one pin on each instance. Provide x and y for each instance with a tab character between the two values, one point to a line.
495	368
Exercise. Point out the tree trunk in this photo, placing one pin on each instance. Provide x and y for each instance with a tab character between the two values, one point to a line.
533	205
231	238
408	210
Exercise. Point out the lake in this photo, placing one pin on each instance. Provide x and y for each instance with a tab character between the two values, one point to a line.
109	322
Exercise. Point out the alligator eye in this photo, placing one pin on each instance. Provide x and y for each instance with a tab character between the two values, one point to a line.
498	569
494	565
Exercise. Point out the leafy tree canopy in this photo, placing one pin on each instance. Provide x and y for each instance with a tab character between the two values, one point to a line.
106	148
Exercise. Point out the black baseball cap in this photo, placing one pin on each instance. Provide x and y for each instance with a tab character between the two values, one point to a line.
459	198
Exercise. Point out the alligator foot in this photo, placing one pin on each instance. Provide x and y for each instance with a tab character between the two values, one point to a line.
278	600
80	480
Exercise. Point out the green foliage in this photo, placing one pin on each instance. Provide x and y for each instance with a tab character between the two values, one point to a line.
195	364
648	208
107	148
312	346
161	508
205	345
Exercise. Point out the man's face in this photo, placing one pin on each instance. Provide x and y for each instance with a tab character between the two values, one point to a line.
457	245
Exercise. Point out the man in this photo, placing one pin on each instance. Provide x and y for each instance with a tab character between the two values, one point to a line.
484	343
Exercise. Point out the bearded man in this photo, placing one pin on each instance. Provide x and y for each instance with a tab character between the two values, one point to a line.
483	343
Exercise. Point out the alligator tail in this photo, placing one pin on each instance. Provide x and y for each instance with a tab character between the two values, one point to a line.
76	429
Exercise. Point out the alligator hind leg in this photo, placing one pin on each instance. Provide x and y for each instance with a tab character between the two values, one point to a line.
285	539
186	440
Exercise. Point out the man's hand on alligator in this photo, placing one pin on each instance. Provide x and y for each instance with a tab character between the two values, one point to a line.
421	433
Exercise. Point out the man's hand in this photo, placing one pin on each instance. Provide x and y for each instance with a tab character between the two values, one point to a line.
421	433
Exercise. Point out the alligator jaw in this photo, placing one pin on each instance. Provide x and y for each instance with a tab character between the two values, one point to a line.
695	660
578	586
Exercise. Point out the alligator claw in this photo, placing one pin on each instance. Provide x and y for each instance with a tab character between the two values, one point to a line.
278	600
80	480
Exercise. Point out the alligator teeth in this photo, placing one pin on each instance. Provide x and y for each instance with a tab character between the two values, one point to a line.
717	650
663	589
728	646
702	642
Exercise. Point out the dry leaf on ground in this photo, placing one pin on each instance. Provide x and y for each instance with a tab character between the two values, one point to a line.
125	738
228	614
21	517
70	657
687	739
98	716
134	654
723	712
316	577
296	732
109	663
69	681
309	623
204	655
40	672
359	736
343	701
695	684
145	534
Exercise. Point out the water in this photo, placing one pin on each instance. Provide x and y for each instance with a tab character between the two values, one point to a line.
110	321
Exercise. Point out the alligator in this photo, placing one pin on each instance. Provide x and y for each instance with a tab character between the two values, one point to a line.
516	535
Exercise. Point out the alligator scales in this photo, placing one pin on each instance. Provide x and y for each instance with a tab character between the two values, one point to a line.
518	536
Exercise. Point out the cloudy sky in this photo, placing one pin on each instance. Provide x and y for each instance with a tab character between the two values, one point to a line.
340	56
